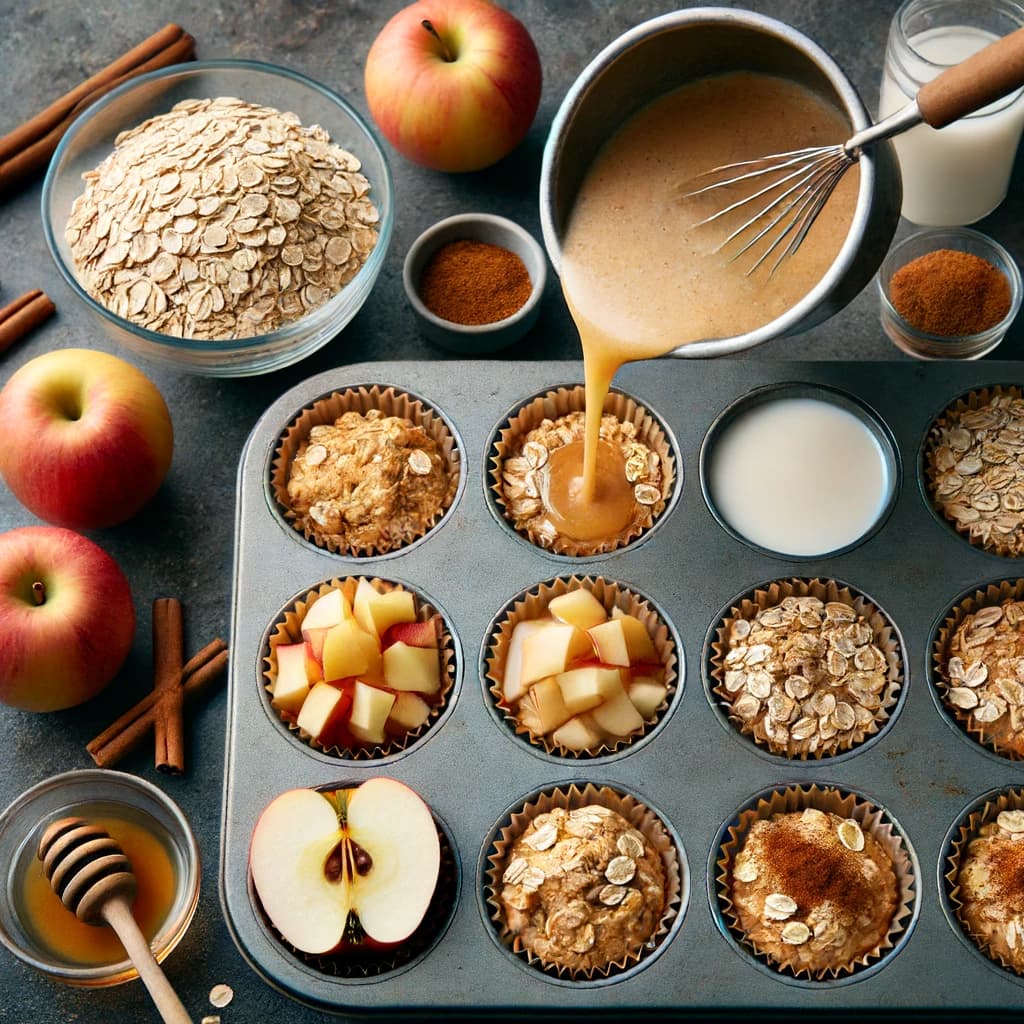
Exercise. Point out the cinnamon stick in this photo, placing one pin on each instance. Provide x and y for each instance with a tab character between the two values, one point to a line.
23	315
168	655
27	150
110	747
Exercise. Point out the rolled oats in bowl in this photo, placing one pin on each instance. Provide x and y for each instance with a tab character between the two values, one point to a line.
973	471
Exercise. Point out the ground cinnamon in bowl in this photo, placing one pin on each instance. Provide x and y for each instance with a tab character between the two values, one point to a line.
472	282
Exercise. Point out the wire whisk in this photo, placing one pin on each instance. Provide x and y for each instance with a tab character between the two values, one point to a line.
790	189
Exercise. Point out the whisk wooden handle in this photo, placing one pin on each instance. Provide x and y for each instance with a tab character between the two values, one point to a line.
983	78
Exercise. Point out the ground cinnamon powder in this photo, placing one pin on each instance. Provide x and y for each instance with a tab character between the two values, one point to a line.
950	293
470	282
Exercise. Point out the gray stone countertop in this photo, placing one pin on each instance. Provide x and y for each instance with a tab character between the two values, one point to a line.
181	544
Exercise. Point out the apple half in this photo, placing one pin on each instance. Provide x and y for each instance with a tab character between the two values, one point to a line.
348	869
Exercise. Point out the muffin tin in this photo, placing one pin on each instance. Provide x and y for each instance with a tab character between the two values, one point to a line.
472	769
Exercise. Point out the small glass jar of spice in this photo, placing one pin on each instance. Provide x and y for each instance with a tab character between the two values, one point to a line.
474	282
948	293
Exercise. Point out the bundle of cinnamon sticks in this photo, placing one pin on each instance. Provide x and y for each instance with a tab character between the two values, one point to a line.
161	710
26	151
22	315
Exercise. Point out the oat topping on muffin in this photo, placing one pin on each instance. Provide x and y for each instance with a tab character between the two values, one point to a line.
985	674
991	881
975	474
372	481
582	888
813	891
804	675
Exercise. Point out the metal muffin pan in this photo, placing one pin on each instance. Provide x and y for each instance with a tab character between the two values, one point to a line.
470	768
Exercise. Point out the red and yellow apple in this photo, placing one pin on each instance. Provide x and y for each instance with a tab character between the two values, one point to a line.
453	84
67	618
346	869
87	438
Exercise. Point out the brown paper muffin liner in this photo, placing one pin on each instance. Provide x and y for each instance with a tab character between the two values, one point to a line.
1006	742
534	606
354	964
1009	800
771	594
1008	545
571	797
287	630
561	402
326	410
872	820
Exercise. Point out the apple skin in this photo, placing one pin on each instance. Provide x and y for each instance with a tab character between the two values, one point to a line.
61	652
87	438
459	102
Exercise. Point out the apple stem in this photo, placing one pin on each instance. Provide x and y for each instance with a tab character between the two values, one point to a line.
445	52
39	592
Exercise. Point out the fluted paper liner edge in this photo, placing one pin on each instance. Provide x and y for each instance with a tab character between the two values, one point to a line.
992	594
571	797
1008	800
770	594
560	402
390	401
534	605
872	819
970	402
286	630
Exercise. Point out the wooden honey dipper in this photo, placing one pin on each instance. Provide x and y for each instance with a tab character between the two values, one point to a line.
93	878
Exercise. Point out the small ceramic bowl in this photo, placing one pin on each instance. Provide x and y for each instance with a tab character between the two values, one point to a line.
921	344
103	795
481	227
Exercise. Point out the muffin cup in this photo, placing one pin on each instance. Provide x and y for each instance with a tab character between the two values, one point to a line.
287	630
986	811
1013	545
570	797
357	964
885	638
993	594
533	605
326	410
871	819
553	405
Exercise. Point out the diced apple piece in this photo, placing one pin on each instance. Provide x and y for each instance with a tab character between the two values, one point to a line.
551	650
323	710
617	716
292	682
576	734
365	594
370	710
647	695
408	712
609	639
376	612
512	685
579	608
585	688
374	671
546	697
638	641
412	668
344	652
327	610
415	634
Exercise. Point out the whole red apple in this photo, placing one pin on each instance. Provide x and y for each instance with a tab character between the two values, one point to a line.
453	84
87	438
67	614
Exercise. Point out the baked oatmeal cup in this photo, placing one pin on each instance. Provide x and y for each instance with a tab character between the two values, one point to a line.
359	668
972	469
635	442
984	877
584	882
582	666
366	471
815	883
978	666
805	668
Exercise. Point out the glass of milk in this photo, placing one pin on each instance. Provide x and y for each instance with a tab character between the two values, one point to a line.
958	174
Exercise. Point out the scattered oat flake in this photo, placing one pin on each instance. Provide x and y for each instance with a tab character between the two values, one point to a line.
221	995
